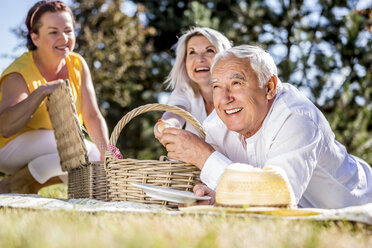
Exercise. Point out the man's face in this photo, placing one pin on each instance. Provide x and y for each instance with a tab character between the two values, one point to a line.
239	101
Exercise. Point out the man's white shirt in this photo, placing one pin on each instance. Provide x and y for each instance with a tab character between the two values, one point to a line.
296	137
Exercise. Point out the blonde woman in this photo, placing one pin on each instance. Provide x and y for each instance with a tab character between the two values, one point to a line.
190	76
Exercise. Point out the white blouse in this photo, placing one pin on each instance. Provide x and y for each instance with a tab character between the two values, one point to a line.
184	96
296	137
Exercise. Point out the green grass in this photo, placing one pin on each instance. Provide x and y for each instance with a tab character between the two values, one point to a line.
42	228
28	228
55	191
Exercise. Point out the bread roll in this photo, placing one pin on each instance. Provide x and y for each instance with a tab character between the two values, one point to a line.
163	124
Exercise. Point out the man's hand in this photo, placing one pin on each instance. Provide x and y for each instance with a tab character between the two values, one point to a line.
203	190
186	146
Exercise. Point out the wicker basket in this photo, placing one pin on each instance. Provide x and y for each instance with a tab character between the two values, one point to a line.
91	180
85	179
167	173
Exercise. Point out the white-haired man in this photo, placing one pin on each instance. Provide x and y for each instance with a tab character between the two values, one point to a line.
261	122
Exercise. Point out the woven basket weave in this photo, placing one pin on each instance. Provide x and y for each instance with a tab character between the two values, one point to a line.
88	181
168	174
85	179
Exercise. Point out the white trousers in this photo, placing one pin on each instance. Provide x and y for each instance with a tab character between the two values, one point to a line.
38	150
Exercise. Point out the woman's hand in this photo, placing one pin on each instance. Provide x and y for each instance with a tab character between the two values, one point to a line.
50	87
157	134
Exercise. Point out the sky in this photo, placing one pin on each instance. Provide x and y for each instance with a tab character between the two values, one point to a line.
13	14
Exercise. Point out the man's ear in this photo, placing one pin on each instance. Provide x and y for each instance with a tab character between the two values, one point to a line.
271	87
35	38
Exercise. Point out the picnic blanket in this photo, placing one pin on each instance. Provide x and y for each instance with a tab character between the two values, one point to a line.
84	205
361	213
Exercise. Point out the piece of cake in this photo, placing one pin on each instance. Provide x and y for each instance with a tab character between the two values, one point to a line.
243	185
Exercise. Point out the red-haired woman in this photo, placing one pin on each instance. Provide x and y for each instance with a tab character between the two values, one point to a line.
27	146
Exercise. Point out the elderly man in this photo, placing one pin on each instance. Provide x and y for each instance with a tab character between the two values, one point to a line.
261	122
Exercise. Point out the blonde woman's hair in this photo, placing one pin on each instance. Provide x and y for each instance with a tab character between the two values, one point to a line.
178	75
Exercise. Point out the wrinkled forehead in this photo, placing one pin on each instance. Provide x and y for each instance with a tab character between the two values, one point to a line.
230	67
232	75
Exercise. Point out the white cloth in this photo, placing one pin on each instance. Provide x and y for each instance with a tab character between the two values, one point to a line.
361	213
296	137
38	149
184	96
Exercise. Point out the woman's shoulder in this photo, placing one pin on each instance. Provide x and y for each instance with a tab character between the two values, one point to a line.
184	96
19	64
75	59
185	90
75	55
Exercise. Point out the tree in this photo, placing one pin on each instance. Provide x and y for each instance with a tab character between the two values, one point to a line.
115	49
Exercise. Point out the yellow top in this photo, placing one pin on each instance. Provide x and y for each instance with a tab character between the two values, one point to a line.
25	66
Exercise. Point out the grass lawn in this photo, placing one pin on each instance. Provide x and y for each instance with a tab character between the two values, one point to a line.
26	228
31	228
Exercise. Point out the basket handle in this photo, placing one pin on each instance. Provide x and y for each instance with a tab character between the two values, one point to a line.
151	107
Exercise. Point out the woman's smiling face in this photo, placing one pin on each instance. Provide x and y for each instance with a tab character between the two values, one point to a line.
199	55
56	35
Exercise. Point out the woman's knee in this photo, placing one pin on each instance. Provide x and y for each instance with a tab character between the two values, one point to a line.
25	148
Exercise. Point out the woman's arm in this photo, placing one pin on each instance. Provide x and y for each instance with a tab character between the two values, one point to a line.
92	117
179	98
17	104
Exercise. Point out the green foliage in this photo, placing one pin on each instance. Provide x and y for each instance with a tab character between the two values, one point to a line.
58	191
111	43
200	15
115	49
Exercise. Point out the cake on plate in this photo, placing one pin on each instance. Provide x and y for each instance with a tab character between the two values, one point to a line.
243	185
